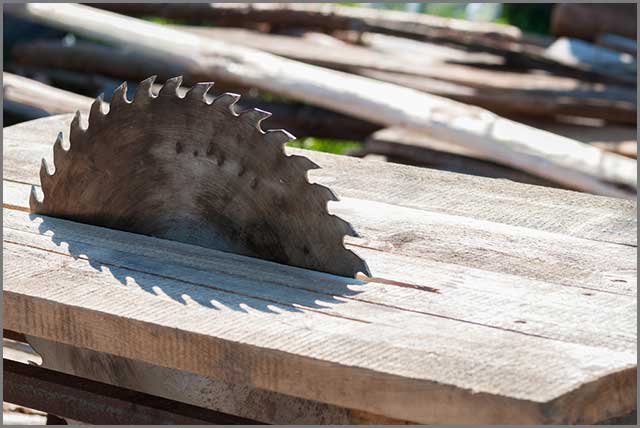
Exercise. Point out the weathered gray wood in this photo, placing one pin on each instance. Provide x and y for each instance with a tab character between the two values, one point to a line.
415	148
545	154
466	290
38	95
375	357
239	400
564	212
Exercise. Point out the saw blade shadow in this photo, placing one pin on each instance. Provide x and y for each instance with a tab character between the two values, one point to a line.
192	275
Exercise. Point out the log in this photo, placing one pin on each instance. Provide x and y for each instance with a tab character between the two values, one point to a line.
575	52
618	43
486	37
300	120
560	159
501	92
403	146
588	21
31	93
614	104
619	139
327	17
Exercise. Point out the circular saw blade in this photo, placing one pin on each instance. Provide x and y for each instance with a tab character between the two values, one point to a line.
195	171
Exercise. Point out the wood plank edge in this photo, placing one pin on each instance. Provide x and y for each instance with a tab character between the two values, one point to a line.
478	407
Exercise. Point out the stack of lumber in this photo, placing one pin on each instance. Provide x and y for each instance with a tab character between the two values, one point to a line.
510	303
475	98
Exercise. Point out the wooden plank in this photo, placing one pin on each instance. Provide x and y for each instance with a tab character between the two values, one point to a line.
570	213
556	158
98	403
240	400
465	290
369	356
493	247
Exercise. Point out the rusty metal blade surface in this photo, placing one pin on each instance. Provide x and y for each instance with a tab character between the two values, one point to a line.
197	172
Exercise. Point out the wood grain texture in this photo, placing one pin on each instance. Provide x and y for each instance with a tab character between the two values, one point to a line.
565	212
241	400
321	347
549	310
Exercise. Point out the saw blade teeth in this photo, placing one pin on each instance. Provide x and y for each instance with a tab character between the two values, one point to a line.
359	264
304	162
199	91
170	87
345	226
58	151
97	113
34	201
76	131
226	100
143	91
119	97
45	174
278	136
254	117
326	193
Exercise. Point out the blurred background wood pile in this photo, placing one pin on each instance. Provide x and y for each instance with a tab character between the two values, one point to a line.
575	78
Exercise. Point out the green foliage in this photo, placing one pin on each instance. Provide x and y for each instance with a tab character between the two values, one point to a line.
529	17
339	147
446	10
165	21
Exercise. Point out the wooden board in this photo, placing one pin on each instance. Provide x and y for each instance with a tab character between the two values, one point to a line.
303	335
565	212
488	316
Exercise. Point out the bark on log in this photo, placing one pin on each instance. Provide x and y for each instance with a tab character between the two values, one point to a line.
588	21
551	156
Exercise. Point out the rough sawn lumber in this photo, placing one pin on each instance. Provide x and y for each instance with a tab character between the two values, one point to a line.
412	287
366	356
